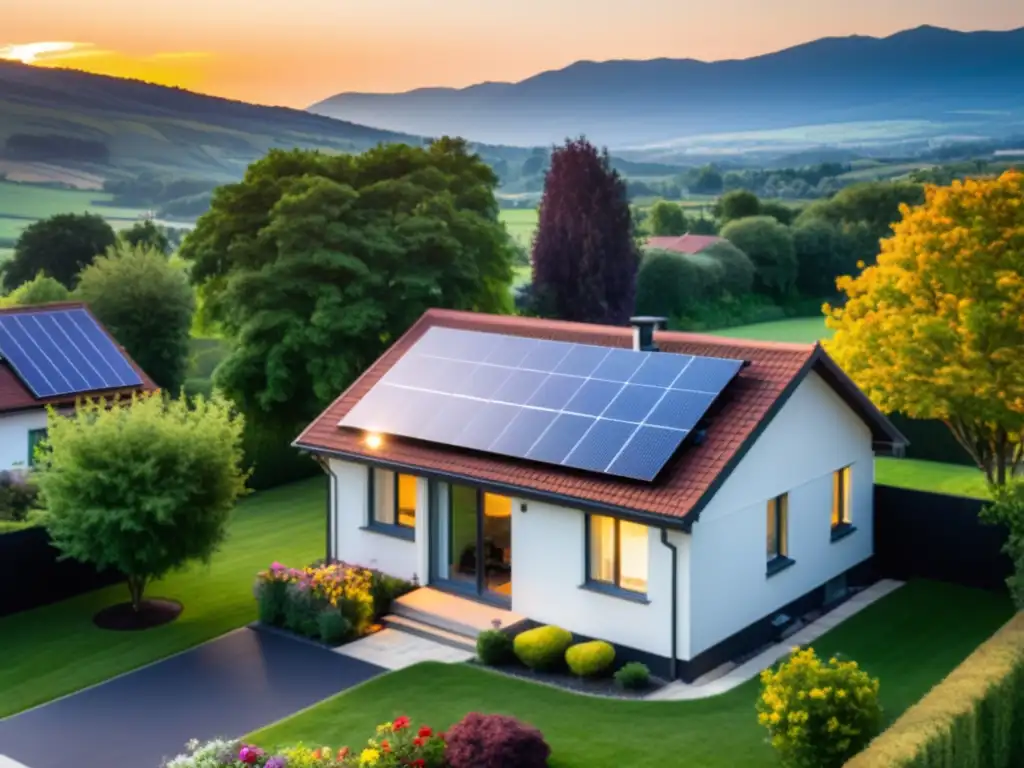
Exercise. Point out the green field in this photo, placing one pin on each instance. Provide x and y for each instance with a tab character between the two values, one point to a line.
56	649
910	640
37	202
803	330
520	223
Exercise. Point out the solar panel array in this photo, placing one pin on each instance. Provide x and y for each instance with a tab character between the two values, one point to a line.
63	352
608	410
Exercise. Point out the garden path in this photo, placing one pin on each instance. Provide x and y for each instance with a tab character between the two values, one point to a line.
226	687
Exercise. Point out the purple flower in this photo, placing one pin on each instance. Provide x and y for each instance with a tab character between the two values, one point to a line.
276	762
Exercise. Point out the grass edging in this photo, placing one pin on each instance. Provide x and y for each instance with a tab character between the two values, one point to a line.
974	716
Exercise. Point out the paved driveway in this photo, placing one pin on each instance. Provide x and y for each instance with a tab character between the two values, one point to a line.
227	687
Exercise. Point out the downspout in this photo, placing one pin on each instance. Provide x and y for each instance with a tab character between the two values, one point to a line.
675	602
332	494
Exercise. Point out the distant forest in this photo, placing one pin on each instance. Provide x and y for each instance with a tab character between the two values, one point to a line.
36	148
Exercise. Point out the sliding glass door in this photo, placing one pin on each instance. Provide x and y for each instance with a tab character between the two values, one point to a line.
471	541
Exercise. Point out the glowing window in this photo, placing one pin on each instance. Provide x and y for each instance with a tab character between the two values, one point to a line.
841	497
393	500
618	552
776	525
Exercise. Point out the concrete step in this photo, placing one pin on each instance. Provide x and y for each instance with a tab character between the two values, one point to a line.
436	621
430	632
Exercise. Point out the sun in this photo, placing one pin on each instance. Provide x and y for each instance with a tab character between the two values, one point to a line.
29	53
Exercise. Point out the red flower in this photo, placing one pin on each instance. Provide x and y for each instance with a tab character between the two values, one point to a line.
384	746
419	762
343	753
425	732
417	742
400	723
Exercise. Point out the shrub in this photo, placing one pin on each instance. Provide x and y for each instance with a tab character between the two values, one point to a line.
590	659
738	269
18	496
770	247
301	612
385	589
670	284
817	713
334	627
633	676
495	741
975	715
542	648
271	600
395	744
494	647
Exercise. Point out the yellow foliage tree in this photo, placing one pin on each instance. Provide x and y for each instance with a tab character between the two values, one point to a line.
935	330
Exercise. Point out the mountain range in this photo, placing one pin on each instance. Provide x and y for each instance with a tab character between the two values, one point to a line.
925	84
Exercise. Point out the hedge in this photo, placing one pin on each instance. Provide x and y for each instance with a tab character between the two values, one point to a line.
972	719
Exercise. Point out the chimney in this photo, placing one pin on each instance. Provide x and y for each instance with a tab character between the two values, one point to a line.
643	332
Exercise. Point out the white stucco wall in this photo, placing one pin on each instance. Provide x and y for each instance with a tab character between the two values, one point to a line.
813	435
354	544
548	567
14	429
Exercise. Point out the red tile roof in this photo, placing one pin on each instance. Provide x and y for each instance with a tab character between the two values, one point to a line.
684	244
15	396
774	370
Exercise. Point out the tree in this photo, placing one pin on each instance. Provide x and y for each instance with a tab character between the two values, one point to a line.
146	302
39	290
737	204
143	487
820	257
876	204
667	218
584	257
1007	509
146	233
739	270
707	181
933	330
60	246
314	264
770	246
782	213
703	226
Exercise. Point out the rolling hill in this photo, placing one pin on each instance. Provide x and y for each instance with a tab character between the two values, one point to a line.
921	84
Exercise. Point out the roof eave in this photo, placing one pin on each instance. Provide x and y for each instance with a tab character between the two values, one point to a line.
651	519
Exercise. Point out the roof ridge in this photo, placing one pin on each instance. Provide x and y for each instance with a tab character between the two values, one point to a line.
53	305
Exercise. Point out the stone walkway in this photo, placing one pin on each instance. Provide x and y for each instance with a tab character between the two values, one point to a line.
393	649
715	682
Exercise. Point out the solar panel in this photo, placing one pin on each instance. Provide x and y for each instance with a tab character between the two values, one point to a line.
63	352
601	409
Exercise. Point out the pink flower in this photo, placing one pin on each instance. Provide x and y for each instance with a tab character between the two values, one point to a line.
249	755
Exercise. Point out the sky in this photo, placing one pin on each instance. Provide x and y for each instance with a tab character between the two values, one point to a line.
296	52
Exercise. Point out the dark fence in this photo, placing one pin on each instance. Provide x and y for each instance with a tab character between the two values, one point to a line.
936	536
930	440
33	576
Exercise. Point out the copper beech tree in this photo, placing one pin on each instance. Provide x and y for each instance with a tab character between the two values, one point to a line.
935	330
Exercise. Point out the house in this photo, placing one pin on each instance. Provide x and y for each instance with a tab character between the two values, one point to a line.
677	495
688	244
52	355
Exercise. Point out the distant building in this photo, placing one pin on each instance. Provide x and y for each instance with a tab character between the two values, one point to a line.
684	244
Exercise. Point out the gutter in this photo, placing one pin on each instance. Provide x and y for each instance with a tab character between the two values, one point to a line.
675	602
332	494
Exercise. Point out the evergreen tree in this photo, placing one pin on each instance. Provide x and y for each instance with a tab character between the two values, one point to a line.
585	259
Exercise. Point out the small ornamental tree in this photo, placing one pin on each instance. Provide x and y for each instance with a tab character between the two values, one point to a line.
142	487
818	714
933	330
585	259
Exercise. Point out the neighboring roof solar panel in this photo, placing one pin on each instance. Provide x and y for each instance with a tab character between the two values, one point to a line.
601	409
63	352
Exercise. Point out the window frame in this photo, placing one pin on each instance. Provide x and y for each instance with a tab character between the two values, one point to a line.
34	439
842	495
614	587
397	528
780	560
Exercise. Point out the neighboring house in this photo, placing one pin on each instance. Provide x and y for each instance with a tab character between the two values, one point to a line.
689	244
676	515
52	355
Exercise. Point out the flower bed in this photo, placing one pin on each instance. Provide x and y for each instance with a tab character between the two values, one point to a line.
333	603
477	741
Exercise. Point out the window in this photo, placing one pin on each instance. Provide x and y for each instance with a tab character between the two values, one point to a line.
841	497
778	543
617	553
393	499
35	437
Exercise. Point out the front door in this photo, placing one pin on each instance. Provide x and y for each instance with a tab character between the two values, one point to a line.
471	541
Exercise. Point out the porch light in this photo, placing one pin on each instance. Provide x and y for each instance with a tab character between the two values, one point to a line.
373	441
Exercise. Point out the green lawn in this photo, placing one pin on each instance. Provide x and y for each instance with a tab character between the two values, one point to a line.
5	254
803	330
520	223
55	650
38	202
954	479
910	640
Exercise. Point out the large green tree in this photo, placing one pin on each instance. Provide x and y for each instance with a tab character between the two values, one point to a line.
60	246
737	204
315	263
666	218
146	302
143	487
770	246
146	233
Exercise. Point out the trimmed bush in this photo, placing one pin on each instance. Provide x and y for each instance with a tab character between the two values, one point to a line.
590	659
495	741
385	589
818	714
494	647
334	627
670	284
738	269
542	648
301	612
271	600
633	676
975	717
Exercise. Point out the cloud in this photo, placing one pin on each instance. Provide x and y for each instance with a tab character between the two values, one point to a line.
34	53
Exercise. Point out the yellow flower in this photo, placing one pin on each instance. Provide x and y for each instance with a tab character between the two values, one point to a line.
840	694
384	728
774	718
369	757
832	724
817	693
